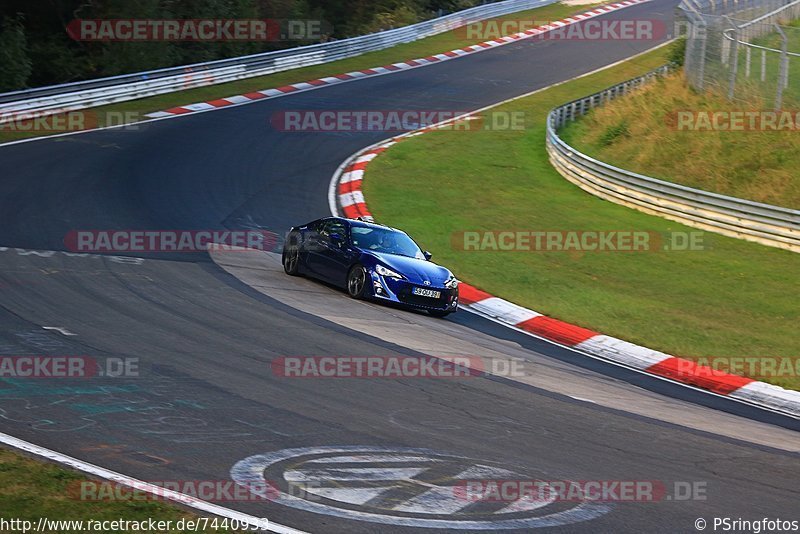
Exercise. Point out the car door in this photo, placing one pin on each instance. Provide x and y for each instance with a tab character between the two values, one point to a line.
311	248
326	257
339	255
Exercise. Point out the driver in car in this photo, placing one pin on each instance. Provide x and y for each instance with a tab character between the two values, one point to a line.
386	243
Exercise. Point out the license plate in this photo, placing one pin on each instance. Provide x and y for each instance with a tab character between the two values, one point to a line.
422	292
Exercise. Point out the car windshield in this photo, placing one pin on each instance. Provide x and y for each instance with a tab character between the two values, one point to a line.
386	241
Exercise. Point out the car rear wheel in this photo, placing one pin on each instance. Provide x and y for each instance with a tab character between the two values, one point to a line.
291	261
357	282
439	313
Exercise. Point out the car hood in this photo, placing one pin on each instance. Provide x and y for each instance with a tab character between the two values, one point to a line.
417	271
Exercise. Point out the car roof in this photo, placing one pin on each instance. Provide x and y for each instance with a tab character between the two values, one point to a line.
364	224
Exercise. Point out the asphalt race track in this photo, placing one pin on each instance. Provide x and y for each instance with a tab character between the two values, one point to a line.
207	405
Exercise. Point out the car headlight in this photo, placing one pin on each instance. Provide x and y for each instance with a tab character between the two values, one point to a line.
385	271
451	283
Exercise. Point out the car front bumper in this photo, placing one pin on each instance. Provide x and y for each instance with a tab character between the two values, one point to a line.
401	292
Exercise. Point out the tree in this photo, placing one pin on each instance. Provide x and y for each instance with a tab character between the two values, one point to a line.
15	64
402	15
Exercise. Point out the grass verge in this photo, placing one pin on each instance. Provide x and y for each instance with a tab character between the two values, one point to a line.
731	299
639	133
31	489
424	47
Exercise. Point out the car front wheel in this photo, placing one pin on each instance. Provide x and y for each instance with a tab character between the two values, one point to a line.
291	260
357	282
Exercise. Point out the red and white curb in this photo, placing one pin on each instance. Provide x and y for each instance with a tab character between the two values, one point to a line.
387	69
346	197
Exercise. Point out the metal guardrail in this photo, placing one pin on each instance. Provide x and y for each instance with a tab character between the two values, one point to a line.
734	217
90	93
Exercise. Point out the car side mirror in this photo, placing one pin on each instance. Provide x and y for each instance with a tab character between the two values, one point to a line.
427	255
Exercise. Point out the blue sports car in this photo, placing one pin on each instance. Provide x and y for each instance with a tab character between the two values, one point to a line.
371	261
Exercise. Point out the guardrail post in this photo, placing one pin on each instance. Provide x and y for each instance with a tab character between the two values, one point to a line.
747	62
734	58
701	68
783	76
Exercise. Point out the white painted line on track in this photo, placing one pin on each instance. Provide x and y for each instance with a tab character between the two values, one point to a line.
581	399
60	329
183	499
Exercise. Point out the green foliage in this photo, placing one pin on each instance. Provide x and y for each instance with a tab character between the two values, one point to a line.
614	132
15	63
400	16
35	49
677	51
31	489
420	48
